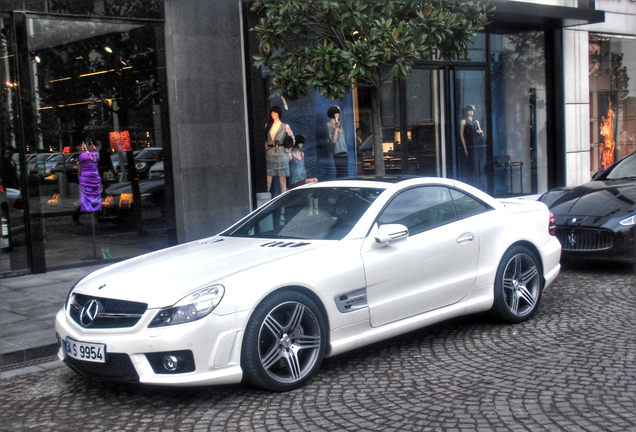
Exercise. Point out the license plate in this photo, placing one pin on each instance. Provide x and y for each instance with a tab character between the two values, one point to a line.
86	351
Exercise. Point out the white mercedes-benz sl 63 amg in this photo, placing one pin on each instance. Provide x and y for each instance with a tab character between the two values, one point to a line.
318	271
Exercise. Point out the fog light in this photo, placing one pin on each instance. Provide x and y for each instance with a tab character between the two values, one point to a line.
170	363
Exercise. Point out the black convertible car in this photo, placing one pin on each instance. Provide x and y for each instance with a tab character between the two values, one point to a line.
597	220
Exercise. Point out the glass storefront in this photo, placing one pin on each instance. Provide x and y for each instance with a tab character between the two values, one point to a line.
612	102
480	122
88	88
13	252
519	114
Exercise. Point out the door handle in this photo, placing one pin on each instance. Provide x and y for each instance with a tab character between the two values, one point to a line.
465	238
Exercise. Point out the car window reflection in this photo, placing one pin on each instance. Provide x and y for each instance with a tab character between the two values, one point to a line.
424	208
625	168
314	213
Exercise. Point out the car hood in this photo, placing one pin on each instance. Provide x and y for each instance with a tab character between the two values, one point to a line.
593	203
163	278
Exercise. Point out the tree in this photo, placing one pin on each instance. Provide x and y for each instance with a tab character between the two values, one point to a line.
334	45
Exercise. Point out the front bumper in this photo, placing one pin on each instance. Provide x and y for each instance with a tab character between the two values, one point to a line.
589	243
212	345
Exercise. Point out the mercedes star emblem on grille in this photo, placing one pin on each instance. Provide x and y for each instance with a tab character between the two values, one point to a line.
90	312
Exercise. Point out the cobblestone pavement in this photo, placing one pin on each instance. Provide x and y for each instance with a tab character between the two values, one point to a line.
572	367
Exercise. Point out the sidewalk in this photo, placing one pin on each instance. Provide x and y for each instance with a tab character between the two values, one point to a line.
28	306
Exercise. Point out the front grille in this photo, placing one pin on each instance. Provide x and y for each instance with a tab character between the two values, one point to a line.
585	239
185	361
117	366
112	313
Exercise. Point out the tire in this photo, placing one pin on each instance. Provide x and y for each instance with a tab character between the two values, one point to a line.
284	342
518	285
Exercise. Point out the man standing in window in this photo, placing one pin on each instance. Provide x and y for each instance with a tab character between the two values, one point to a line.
337	142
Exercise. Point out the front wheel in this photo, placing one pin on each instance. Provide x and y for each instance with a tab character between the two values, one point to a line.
518	285
284	342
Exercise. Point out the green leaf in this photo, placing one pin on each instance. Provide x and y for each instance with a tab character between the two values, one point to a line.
362	36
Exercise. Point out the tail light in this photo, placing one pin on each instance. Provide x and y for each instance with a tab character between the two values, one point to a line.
125	200
552	227
2	189
108	201
19	203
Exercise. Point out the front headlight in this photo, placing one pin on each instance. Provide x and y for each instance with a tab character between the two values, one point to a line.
67	302
629	221
195	306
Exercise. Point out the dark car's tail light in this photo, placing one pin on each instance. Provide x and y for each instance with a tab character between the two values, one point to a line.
552	227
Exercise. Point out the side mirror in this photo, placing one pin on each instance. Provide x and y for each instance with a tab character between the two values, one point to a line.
391	233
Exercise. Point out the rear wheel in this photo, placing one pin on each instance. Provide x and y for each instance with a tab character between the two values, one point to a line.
284	342
518	285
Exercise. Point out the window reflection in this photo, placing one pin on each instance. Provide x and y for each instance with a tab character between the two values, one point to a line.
518	113
97	82
612	101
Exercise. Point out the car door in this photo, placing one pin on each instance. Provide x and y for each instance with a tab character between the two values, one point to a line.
434	267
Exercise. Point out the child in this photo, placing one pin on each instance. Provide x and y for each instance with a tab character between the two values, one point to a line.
297	164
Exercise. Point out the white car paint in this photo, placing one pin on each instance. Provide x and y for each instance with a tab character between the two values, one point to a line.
435	275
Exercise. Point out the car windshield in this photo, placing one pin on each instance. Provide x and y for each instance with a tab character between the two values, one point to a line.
43	156
327	213
149	154
56	158
625	168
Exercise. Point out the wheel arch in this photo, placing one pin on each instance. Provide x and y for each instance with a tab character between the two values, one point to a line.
535	250
313	297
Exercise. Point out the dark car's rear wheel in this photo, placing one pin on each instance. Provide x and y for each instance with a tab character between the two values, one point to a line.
284	342
518	285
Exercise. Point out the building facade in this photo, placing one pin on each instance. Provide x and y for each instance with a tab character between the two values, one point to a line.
175	80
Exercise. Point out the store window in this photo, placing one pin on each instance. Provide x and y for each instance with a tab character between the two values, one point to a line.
13	253
519	116
93	89
612	64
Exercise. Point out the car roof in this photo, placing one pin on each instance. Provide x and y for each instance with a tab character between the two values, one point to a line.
383	178
397	182
382	181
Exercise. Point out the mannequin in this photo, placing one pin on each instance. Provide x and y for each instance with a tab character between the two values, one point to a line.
90	182
275	151
473	146
337	142
297	164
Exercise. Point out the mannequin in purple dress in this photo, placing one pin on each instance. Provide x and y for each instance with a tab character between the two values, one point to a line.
90	182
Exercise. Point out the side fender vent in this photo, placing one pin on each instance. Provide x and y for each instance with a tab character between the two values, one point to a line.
352	301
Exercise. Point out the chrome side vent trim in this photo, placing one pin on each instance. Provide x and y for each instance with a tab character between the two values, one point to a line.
285	244
210	240
352	301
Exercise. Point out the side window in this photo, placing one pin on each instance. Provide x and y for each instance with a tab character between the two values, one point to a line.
420	209
466	205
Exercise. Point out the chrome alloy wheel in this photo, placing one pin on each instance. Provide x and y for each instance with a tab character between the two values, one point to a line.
289	342
521	285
